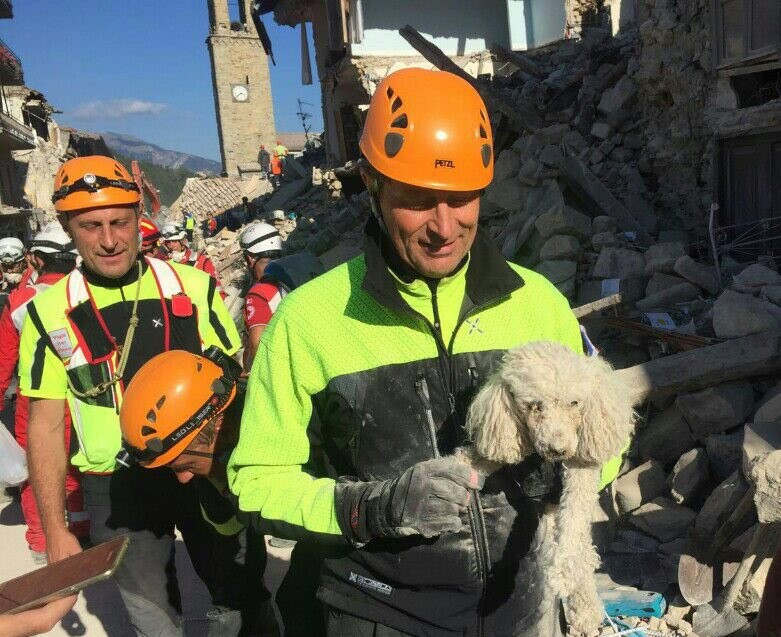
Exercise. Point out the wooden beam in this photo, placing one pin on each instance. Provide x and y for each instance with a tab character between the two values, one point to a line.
521	61
597	306
755	355
521	114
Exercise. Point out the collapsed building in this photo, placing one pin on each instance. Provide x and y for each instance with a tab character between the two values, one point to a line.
635	168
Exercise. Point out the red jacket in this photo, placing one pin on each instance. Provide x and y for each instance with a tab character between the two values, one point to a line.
11	321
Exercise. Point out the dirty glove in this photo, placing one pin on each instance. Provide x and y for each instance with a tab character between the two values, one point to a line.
538	479
424	500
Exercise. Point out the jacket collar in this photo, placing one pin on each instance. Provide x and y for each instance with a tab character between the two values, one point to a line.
488	277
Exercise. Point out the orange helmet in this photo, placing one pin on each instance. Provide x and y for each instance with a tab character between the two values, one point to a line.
93	182
150	233
429	129
170	399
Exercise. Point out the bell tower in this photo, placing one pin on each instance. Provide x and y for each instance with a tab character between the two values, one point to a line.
241	85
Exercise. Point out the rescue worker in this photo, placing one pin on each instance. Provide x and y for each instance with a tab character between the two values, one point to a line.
347	439
264	159
280	150
276	171
53	255
177	250
199	456
13	261
150	237
260	244
211	225
189	225
82	341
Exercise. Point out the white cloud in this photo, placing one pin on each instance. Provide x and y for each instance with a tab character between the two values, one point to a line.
115	109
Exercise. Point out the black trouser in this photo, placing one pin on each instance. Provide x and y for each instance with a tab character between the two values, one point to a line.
302	614
147	504
189	234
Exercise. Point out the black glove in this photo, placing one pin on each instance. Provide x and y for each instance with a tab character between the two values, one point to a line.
424	500
538	479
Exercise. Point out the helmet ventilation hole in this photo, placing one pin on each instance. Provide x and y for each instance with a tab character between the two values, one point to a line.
400	121
160	402
199	367
482	116
485	153
155	444
146	430
483	134
151	416
389	92
396	105
393	143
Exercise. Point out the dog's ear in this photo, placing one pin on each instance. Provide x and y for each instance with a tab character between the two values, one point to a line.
492	425
608	415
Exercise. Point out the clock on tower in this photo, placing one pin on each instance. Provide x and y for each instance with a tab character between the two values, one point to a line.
240	93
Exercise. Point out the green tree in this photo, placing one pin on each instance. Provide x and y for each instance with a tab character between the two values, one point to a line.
169	181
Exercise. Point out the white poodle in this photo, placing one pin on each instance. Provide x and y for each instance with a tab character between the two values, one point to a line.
546	399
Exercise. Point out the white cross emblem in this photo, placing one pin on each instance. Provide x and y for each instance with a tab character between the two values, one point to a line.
157	322
473	325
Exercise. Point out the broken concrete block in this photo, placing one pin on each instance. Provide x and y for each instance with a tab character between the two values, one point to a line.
690	476
666	437
662	257
615	98
725	454
517	233
564	221
619	263
663	519
720	503
550	155
736	315
546	200
660	282
631	290
757	275
286	193
507	165
718	408
508	194
557	271
601	130
639	486
603	223
680	293
766	476
759	439
529	174
560	247
701	275
575	141
604	240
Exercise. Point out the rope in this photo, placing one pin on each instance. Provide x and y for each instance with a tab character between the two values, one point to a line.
101	388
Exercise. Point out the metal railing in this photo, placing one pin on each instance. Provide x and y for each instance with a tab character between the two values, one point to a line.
10	60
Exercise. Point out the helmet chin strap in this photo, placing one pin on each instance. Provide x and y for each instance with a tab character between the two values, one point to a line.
374	200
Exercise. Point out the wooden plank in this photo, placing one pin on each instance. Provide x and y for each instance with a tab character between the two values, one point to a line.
434	54
588	186
521	61
597	306
755	355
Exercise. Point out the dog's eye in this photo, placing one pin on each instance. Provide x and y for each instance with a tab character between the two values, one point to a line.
574	403
534	406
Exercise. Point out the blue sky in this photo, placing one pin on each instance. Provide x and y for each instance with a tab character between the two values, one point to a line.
141	67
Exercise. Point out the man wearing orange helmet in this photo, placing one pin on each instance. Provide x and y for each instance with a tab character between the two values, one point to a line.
82	341
150	237
348	438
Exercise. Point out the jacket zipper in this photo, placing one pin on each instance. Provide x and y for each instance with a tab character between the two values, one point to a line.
421	387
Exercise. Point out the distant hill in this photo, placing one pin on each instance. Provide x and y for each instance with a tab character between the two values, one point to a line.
135	148
169	181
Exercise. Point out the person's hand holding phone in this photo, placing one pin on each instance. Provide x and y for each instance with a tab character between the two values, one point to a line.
38	620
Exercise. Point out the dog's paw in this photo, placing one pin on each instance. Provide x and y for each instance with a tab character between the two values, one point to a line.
585	611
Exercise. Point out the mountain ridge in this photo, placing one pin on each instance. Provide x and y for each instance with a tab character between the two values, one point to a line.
136	148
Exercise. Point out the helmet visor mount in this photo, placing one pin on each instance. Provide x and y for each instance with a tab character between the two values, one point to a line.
92	183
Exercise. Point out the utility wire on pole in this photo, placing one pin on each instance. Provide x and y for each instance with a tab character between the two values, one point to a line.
305	117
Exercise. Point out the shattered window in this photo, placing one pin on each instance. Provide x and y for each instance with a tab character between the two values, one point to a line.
746	30
764	23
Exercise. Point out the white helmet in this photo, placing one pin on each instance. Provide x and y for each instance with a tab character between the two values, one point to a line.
259	238
11	250
52	239
172	232
278	215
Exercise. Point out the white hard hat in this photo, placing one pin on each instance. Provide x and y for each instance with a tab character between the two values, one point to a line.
11	250
260	237
52	239
172	232
278	214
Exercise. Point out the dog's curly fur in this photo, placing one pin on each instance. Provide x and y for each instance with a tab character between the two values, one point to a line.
546	399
